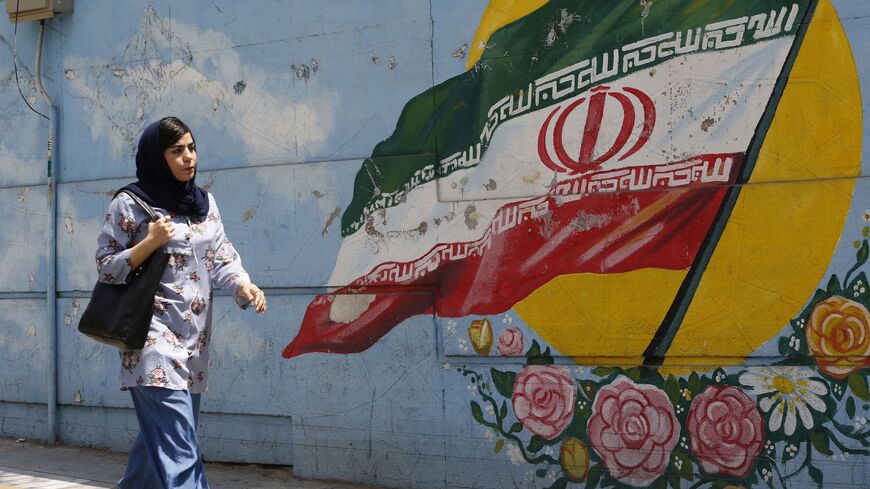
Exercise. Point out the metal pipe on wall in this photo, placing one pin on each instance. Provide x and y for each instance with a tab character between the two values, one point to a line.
51	265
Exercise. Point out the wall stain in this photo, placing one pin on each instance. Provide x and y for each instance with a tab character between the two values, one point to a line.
461	51
240	87
707	123
248	215
471	216
329	221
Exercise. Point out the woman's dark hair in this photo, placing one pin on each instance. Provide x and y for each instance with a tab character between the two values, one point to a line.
171	130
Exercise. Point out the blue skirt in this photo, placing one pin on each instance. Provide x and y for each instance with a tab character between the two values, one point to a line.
166	454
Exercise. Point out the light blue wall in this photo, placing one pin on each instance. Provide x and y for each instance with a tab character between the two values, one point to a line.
286	97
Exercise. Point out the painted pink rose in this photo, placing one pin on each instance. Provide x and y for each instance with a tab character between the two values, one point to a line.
633	429
543	399
726	430
510	342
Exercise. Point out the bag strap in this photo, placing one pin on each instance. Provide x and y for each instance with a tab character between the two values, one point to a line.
148	209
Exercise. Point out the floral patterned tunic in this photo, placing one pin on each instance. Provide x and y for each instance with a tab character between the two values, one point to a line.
175	355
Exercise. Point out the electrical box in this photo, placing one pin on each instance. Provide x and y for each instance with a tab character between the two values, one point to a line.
30	10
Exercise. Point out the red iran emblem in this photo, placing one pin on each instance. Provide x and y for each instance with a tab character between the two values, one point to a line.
588	159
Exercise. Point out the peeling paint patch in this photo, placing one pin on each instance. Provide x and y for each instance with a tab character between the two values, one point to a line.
370	229
348	307
532	179
240	87
31	330
707	123
330	220
68	224
318	194
67	319
586	221
118	72
70	74
375	59
208	185
471	216
445	219
22	194
391	63
304	72
460	52
77	398
491	185
248	215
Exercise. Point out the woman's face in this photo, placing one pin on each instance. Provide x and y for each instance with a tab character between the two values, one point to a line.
181	158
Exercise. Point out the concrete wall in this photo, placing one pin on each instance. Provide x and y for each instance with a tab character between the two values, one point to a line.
511	353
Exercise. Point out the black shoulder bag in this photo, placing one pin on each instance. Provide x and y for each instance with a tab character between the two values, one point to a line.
120	314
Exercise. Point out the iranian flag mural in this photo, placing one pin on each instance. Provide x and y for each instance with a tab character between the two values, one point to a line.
590	137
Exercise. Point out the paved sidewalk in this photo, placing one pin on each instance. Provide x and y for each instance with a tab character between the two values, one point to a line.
34	465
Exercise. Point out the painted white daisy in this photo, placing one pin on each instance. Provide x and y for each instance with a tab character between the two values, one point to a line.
790	393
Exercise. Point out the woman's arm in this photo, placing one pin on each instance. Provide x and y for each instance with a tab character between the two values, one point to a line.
115	256
159	233
226	270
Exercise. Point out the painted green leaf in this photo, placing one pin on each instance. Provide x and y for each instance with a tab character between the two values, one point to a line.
516	428
817	476
541	473
633	374
674	480
784	347
858	386
502	412
603	371
503	381
863	252
862	278
477	413
536	444
560	483
850	407
499	445
834	287
593	476
686	470
672	388
660	483
536	357
820	442
694	384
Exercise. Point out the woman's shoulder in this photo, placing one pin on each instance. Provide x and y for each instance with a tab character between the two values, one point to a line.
122	202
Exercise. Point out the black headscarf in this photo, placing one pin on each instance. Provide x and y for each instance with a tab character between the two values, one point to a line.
158	187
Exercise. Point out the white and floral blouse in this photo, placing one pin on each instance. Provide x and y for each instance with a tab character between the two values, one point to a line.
175	355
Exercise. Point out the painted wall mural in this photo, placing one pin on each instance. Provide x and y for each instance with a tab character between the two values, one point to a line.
610	175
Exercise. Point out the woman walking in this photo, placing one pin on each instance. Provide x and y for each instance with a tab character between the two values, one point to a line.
167	376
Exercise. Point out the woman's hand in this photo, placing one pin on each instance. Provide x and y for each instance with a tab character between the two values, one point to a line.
160	232
254	295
